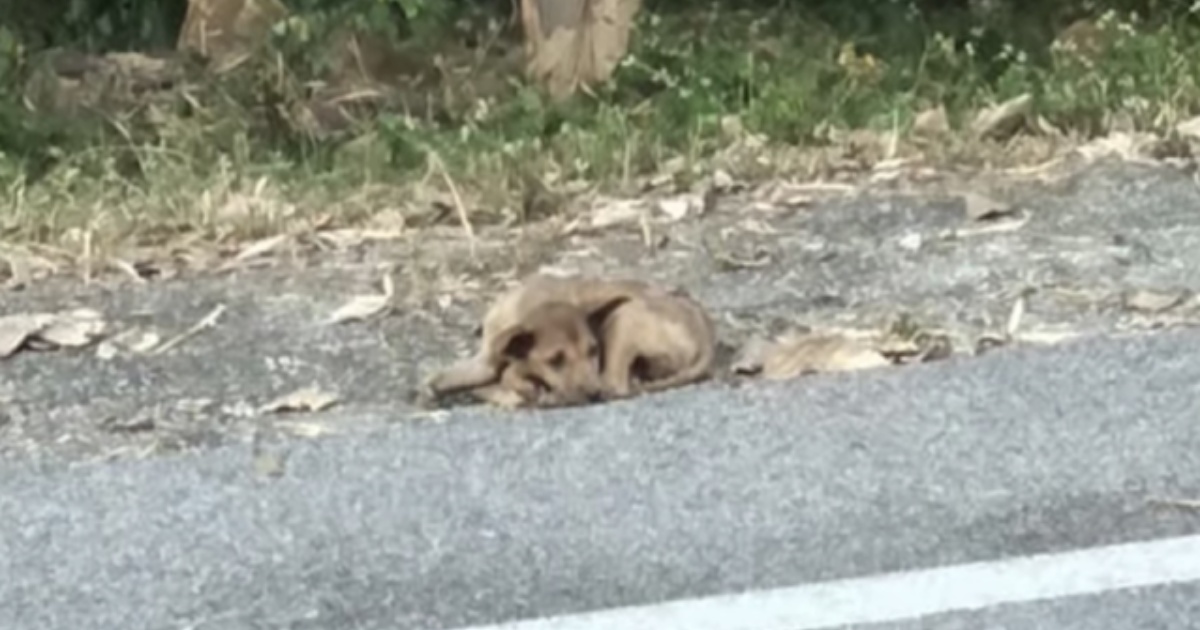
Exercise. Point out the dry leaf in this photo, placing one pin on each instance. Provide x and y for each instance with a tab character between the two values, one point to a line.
918	348
755	226
307	399
139	423
898	347
1126	146
142	341
797	355
129	269
134	340
73	329
1002	119
1045	127
677	208
16	329
732	262
723	181
304	429
798	195
934	348
106	351
981	208
359	307
931	122
613	212
1189	128
268	464
347	238
389	289
1047	337
911	241
989	341
732	127
208	321
1015	316
24	266
1153	301
364	306
389	220
260	247
751	356
1185	504
1011	225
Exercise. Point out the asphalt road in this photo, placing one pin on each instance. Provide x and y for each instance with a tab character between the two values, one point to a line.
478	520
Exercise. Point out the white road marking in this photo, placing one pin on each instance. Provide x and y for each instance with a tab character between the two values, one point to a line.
905	595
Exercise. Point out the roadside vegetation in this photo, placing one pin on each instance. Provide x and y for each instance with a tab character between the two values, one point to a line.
398	114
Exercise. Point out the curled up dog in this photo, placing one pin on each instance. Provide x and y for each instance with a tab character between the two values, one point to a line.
539	344
564	341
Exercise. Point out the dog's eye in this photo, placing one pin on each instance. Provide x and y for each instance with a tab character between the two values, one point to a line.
558	360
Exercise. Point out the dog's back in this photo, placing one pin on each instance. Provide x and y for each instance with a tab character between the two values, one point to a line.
657	340
587	293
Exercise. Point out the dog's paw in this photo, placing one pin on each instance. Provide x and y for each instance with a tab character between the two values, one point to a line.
509	400
425	397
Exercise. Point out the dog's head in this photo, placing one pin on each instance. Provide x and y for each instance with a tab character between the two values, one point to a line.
559	349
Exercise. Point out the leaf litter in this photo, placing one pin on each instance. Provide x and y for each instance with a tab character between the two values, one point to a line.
307	399
1146	301
48	331
137	341
1003	119
982	208
365	306
208	321
796	354
800	352
1016	316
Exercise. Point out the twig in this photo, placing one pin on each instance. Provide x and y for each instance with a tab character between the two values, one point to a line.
209	321
1011	225
894	139
817	187
87	256
128	269
647	230
1187	504
458	203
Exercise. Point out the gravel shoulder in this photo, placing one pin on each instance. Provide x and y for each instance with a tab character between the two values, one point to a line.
1076	250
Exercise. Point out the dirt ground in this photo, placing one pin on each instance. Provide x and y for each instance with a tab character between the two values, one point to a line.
1113	248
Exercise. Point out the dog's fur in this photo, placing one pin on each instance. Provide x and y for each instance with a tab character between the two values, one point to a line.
539	344
655	341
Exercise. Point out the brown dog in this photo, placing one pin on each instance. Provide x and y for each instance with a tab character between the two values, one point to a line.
655	341
539	344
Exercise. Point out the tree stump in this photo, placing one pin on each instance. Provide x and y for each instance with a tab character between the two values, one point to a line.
227	31
574	43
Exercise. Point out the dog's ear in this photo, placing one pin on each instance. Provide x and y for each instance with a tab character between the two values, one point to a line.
601	311
600	298
513	343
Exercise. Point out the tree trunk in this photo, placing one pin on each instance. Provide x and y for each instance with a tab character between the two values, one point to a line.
574	43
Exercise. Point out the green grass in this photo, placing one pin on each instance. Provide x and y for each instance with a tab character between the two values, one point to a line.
230	161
